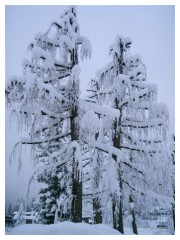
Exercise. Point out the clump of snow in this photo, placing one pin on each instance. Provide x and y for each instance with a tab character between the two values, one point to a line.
158	110
135	60
90	123
127	42
99	109
38	54
112	179
64	228
30	81
65	46
76	70
38	36
122	85
107	67
14	80
120	41
86	48
26	63
137	74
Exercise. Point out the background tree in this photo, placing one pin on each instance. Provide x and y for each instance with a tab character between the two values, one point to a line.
19	218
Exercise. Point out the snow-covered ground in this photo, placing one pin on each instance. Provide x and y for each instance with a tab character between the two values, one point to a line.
69	228
64	228
147	231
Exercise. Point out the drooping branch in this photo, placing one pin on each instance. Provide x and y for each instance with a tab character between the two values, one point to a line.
104	148
102	110
137	141
48	139
135	189
133	168
142	124
140	148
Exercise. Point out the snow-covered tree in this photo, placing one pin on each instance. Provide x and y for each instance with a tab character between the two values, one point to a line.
9	209
46	101
139	130
19	217
171	155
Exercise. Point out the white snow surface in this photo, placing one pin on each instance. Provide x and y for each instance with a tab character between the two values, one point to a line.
64	228
69	228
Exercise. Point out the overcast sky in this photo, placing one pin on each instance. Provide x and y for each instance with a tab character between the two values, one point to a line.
151	29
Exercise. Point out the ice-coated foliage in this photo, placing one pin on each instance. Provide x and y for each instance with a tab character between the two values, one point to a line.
89	125
86	49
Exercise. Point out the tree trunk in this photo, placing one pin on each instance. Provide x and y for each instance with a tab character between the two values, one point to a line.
121	225
97	211
74	127
132	211
114	213
76	209
116	143
173	184
173	210
134	226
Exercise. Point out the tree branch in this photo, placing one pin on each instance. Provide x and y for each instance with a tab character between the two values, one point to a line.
36	141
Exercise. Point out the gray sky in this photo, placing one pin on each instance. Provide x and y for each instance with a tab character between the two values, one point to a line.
151	29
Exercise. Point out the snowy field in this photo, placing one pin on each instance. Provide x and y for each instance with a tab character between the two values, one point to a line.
69	228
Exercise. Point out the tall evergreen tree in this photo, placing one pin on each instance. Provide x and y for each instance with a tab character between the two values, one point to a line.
140	129
46	100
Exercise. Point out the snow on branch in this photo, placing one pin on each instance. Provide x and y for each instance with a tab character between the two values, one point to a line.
86	48
54	94
138	141
162	199
90	124
120	41
48	139
122	88
107	148
14	81
143	149
144	124
134	188
134	61
108	67
159	110
143	85
132	167
62	66
57	24
51	114
102	110
38	53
